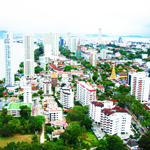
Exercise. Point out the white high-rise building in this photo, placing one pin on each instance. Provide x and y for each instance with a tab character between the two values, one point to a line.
27	95
85	93
67	38
72	43
8	48
99	35
51	44
29	55
43	61
112	119
93	59
67	97
140	86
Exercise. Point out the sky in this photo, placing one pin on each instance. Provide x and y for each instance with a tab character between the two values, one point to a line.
114	17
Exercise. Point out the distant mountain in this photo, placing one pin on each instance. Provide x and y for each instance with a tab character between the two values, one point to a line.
138	36
96	35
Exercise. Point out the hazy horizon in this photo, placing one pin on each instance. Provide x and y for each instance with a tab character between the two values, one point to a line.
115	18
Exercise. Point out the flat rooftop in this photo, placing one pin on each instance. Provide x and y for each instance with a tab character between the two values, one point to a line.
17	105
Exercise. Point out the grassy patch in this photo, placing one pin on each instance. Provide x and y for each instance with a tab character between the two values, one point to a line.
90	138
16	138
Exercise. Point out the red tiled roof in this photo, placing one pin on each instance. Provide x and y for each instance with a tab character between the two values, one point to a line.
108	111
146	107
54	67
96	103
34	88
114	101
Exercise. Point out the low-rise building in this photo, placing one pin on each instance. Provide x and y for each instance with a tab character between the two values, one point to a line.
55	114
14	108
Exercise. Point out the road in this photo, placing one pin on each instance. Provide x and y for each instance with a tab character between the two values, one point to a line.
42	139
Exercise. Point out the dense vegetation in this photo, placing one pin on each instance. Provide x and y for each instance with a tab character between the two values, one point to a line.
38	52
9	125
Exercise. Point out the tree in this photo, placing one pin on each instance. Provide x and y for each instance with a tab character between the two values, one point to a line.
38	69
40	92
63	85
144	141
25	111
4	112
95	77
72	135
49	129
21	65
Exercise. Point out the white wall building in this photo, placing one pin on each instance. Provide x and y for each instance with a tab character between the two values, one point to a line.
47	87
64	78
93	59
8	48
85	93
103	53
27	94
67	38
140	85
29	55
43	61
23	82
112	119
51	44
99	35
55	114
67	97
72	43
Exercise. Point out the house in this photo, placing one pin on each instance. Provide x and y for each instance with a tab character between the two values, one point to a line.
56	133
14	108
13	99
101	88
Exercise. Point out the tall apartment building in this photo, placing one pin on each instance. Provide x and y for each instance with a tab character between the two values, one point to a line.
67	97
72	43
78	51
29	55
93	59
103	53
85	93
140	85
51	44
67	38
112	119
27	94
43	61
8	51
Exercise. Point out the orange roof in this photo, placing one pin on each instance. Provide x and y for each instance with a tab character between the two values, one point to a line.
100	87
34	88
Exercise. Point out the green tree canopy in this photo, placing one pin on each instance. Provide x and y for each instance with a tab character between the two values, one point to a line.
25	111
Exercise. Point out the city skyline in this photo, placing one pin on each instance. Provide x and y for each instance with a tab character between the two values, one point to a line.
115	18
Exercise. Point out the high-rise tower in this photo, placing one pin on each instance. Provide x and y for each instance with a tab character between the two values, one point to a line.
72	43
8	48
51	44
29	55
